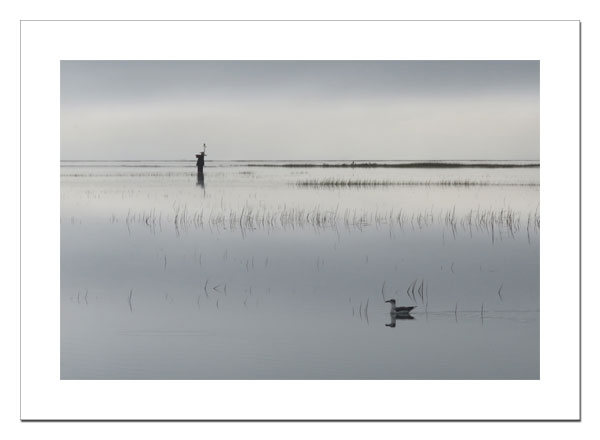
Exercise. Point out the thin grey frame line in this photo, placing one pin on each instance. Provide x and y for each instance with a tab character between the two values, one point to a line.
306	20
300	420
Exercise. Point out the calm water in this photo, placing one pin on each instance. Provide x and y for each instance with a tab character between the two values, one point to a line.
252	275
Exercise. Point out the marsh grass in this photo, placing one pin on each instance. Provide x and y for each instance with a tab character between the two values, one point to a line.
494	221
365	183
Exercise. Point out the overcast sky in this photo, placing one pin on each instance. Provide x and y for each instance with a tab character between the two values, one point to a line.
349	110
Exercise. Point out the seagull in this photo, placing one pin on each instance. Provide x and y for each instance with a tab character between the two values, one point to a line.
399	310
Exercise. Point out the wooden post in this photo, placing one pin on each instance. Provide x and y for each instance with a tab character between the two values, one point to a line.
200	162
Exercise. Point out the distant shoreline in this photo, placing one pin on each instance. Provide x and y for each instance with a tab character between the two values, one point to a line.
325	163
400	165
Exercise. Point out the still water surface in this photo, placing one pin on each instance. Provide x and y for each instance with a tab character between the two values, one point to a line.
253	274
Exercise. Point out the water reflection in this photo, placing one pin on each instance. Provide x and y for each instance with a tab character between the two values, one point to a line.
128	238
395	316
200	179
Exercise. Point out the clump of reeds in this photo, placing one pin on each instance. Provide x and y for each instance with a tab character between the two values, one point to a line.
419	289
365	183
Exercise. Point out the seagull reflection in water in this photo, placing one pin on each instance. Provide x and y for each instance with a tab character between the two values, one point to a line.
396	316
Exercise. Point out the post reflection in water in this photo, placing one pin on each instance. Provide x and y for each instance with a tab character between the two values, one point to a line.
200	180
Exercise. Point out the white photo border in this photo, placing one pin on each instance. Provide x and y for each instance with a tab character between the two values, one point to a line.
556	396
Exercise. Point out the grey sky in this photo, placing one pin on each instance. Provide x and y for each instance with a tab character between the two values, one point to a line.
300	109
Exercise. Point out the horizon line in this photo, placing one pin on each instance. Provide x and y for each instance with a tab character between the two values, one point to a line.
298	160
